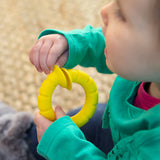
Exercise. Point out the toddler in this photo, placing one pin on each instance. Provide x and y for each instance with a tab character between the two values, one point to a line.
130	37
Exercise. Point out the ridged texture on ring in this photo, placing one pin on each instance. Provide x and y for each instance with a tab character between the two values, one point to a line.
64	78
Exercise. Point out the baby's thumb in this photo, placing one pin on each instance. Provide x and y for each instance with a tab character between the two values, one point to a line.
39	120
61	61
59	112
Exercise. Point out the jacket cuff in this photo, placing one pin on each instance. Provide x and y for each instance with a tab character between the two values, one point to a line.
51	134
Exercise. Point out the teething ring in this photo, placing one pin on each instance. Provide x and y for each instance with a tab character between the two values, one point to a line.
64	78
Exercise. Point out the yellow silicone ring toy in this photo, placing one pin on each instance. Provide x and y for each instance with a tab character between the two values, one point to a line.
64	78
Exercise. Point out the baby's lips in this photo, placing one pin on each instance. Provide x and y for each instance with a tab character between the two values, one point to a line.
104	30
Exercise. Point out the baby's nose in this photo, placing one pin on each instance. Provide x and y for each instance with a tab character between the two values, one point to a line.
104	14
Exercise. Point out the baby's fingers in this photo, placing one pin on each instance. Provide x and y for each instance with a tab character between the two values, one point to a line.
43	54
34	55
61	61
60	46
41	124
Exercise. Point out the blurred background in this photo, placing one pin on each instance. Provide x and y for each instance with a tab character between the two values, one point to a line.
21	21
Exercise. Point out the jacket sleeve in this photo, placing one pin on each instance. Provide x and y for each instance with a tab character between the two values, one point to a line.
64	140
86	47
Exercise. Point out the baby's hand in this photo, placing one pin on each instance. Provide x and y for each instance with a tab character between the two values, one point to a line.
48	51
42	123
